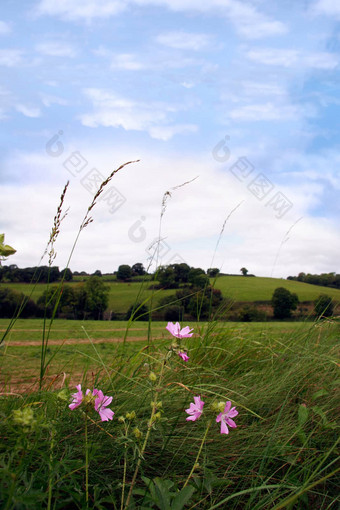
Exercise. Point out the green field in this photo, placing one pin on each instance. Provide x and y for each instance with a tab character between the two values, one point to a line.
240	288
237	288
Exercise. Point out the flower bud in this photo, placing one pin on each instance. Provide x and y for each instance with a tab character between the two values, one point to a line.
152	377
137	433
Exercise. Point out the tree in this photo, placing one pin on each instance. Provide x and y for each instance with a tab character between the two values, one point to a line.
97	273
66	274
283	302
138	312
96	298
124	272
244	271
323	306
198	278
138	269
212	272
11	301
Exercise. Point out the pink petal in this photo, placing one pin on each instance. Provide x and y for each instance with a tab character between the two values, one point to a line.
107	401
232	413
199	403
74	405
219	418
231	423
224	428
191	418
227	407
106	414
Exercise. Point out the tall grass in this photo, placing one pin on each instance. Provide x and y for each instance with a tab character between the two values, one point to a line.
283	453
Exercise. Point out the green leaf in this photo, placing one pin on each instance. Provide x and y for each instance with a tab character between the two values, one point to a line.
302	415
320	393
2	238
6	250
182	498
162	493
317	410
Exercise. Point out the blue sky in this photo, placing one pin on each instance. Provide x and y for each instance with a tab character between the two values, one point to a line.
188	88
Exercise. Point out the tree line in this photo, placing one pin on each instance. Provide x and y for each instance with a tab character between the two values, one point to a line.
324	279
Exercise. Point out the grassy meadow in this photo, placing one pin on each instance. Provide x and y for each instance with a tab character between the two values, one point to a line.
281	377
237	288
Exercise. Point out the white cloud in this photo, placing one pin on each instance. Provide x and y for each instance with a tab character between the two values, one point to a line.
184	40
248	21
56	49
165	133
11	57
111	110
266	111
293	58
28	111
126	61
48	100
5	28
191	223
81	9
327	7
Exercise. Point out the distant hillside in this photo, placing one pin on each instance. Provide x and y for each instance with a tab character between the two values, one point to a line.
238	288
243	288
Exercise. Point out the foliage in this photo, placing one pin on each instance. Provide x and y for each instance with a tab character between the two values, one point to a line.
124	272
323	279
244	271
252	314
10	302
138	312
323	306
66	274
283	303
138	269
212	272
5	249
283	453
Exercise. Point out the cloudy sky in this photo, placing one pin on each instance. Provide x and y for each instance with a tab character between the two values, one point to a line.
239	97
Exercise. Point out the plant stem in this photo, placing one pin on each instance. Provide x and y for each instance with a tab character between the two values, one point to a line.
145	440
124	473
86	464
198	454
50	472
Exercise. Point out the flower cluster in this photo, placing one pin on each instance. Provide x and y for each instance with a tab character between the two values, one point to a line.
177	332
97	398
225	416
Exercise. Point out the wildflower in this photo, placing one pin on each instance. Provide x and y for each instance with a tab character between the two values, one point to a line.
100	405
183	355
77	398
196	409
152	377
175	330
225	418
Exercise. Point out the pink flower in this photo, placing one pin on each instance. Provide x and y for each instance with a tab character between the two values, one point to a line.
183	355
100	405
175	330
77	398
225	418
196	409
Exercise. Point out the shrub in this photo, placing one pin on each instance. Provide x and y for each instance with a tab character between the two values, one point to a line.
283	303
252	314
323	306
